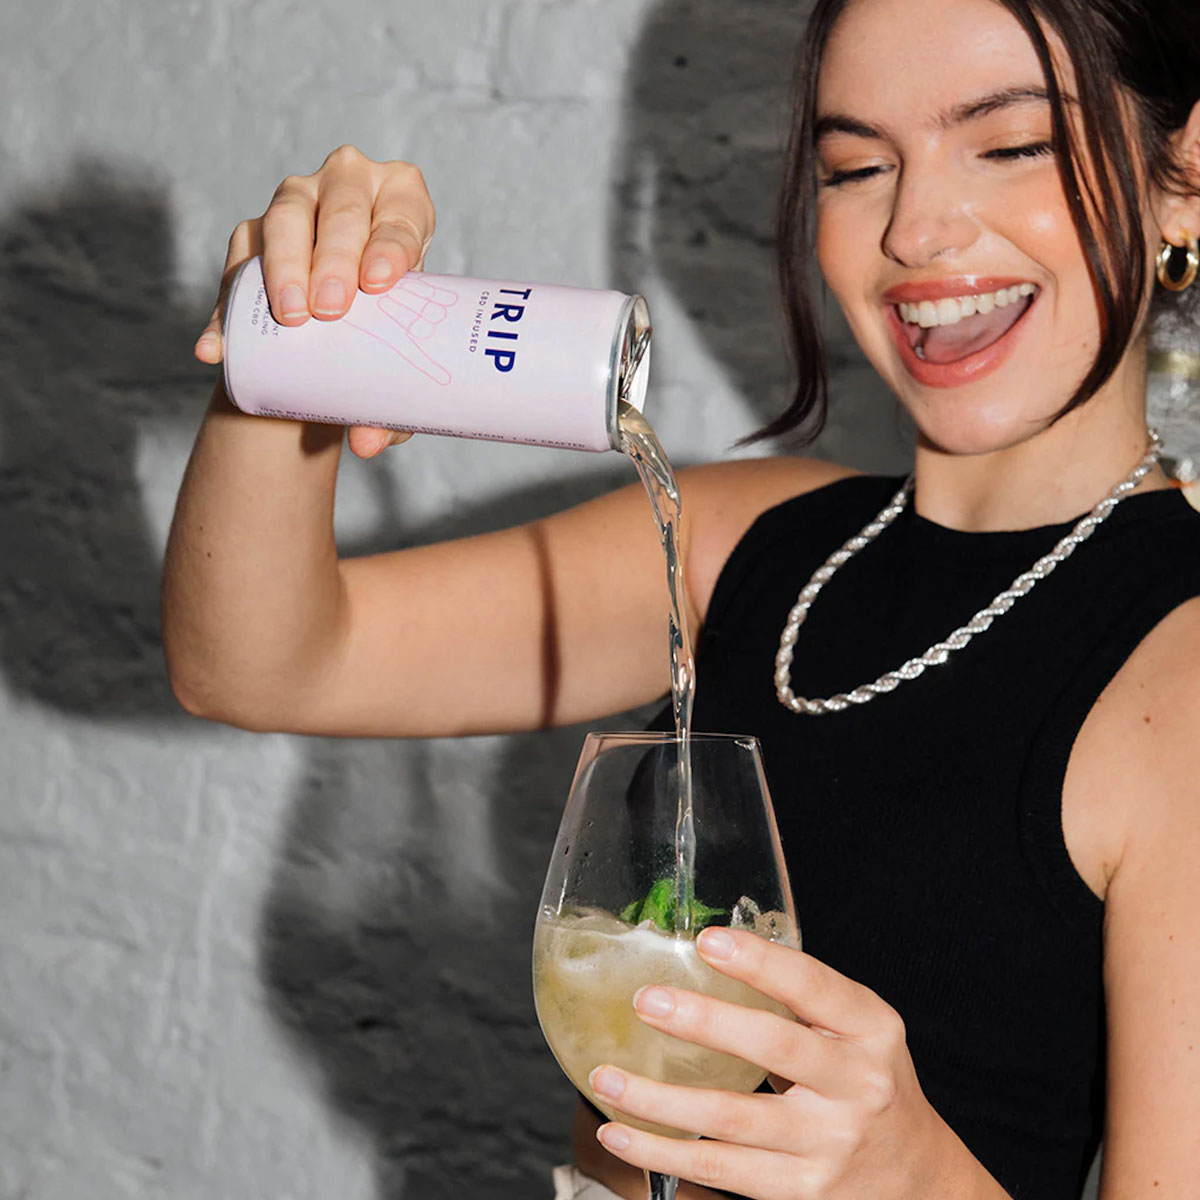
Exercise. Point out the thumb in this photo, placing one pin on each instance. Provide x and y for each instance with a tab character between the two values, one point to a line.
368	441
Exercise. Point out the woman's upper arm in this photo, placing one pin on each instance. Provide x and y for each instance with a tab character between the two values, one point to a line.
557	621
1152	934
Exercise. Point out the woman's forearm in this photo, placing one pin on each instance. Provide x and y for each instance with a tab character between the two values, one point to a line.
252	595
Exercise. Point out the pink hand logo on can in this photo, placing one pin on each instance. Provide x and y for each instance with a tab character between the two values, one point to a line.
416	309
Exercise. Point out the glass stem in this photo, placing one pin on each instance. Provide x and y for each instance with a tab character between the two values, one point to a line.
661	1187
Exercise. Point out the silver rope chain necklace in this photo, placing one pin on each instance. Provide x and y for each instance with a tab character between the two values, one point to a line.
940	652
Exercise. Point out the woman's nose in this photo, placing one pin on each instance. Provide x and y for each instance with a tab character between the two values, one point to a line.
930	218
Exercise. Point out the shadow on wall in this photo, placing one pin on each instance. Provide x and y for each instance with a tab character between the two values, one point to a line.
378	940
93	344
408	979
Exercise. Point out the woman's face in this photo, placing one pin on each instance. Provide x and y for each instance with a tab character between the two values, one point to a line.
942	228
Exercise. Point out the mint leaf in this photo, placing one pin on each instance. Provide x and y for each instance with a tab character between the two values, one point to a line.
659	906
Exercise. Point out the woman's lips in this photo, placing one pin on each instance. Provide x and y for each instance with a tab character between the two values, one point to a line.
971	366
915	291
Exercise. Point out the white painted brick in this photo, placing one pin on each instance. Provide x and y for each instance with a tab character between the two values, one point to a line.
244	966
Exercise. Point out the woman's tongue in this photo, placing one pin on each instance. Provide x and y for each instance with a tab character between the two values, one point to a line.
949	343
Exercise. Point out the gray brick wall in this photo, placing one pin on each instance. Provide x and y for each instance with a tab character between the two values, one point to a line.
242	966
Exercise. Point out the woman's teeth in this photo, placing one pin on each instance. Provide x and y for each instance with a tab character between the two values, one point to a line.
930	313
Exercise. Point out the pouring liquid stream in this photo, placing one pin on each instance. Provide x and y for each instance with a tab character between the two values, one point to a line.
640	442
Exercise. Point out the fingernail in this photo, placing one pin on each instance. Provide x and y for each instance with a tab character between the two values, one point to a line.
716	943
606	1082
293	302
379	270
331	297
654	1002
613	1136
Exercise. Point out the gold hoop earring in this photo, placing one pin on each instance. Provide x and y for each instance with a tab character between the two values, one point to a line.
1162	265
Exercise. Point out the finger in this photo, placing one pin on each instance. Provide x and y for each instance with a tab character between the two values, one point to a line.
345	196
817	994
402	226
766	1122
210	346
777	1044
394	248
288	229
745	1170
367	441
244	243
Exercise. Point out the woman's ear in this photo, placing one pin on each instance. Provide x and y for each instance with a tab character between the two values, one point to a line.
1179	214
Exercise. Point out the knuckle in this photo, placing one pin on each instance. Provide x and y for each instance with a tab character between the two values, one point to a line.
407	174
345	210
400	227
274	218
894	1030
709	1169
288	187
878	1090
733	1123
793	1044
843	1138
345	155
813	1179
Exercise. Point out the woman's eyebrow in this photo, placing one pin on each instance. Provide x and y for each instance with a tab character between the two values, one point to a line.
960	114
972	110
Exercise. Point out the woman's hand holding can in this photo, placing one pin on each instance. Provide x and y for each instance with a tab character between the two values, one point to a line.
353	224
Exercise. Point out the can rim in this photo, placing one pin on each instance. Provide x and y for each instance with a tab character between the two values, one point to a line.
628	358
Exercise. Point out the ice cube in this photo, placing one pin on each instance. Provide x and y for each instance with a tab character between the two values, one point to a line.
777	927
745	914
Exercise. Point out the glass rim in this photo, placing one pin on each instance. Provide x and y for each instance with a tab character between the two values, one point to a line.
747	741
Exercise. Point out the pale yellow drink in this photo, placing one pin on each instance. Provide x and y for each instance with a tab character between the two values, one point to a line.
586	970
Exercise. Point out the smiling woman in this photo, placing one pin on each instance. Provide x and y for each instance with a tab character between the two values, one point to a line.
992	843
1104	147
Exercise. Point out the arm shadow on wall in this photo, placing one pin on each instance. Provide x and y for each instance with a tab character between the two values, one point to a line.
93	345
388	973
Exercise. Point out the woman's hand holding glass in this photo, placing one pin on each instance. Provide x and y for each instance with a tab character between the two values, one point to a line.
848	1118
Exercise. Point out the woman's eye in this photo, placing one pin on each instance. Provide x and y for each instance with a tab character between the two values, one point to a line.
837	178
1028	150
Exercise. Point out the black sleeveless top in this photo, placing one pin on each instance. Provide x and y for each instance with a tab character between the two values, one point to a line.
923	831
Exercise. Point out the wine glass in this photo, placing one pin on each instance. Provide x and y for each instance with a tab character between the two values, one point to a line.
616	914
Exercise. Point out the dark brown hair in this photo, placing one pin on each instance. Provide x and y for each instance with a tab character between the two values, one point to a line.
1147	49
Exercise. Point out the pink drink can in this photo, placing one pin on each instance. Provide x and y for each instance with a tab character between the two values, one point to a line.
508	361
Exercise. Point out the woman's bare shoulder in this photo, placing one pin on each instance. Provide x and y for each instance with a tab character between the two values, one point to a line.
1134	748
722	500
1140	762
1140	737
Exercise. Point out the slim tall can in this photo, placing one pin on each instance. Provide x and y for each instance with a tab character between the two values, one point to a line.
504	360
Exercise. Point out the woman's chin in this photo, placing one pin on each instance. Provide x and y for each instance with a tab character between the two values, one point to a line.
974	431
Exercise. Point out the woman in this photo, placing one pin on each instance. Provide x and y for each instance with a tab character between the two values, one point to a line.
994	861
